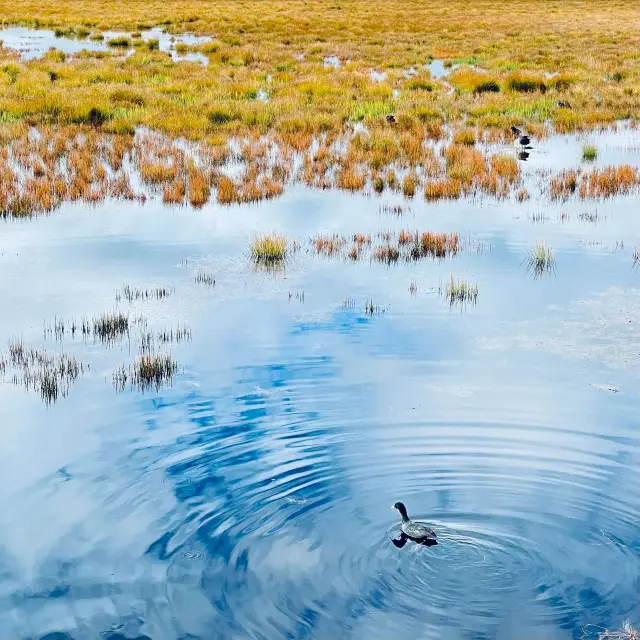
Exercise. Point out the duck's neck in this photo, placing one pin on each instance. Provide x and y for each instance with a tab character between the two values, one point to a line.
403	514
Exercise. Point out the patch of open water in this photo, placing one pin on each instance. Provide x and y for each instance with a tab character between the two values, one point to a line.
34	43
251	498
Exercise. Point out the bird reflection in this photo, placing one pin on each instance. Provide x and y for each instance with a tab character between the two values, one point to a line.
402	540
523	155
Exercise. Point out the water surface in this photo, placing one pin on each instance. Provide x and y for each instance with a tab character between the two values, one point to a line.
251	498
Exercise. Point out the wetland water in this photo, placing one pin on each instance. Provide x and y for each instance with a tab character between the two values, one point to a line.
250	498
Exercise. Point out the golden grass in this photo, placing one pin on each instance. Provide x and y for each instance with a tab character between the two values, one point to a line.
269	249
579	52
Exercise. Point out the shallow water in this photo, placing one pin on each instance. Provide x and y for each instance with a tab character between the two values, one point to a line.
34	43
251	498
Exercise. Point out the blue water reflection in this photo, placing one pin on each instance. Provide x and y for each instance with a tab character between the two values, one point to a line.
251	498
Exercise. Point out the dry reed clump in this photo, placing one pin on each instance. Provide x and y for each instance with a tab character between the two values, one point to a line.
447	189
386	253
564	185
609	181
437	245
328	245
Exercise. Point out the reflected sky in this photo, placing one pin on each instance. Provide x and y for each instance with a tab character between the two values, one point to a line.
251	498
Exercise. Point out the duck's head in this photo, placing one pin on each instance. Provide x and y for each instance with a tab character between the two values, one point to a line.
402	509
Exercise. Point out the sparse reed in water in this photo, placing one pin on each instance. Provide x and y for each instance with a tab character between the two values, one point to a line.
540	260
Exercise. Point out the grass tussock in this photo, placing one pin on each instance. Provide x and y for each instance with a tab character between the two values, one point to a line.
589	152
269	249
110	327
541	260
458	291
153	372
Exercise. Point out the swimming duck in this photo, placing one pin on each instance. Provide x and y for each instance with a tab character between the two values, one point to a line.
417	532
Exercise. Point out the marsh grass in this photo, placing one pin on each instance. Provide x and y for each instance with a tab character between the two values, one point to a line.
51	375
540	260
458	291
133	294
589	152
147	372
269	249
153	371
110	327
205	277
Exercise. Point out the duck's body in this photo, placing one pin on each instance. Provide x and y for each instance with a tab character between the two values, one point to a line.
390	118
415	531
525	141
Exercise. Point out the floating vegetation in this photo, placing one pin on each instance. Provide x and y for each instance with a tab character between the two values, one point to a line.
51	375
110	327
132	294
458	291
540	260
589	152
270	249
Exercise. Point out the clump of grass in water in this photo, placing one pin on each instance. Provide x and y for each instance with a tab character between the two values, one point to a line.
110	327
540	260
328	245
269	249
459	291
153	371
386	253
122	42
50	375
131	294
204	277
589	152
372	309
